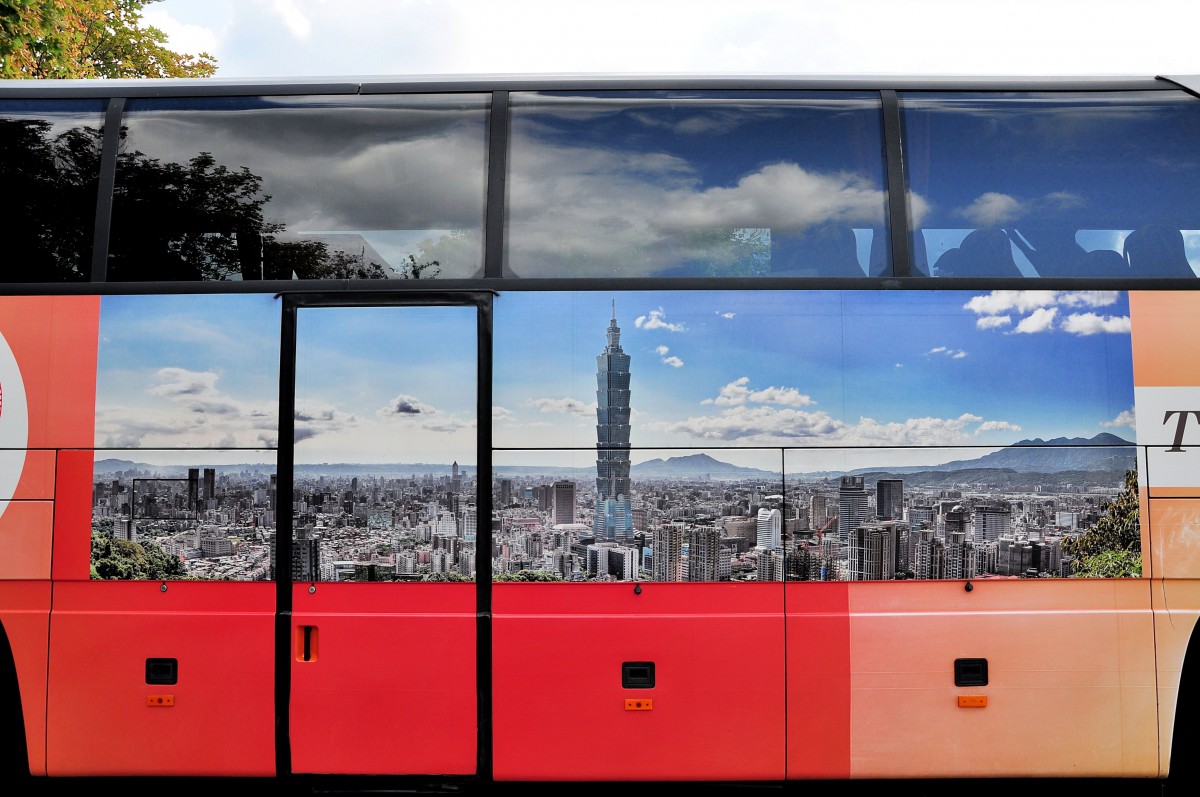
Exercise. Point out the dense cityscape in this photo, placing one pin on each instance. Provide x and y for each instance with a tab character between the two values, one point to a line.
702	520
425	527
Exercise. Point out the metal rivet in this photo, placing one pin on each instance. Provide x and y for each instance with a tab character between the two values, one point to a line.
163	587
312	588
969	586
637	589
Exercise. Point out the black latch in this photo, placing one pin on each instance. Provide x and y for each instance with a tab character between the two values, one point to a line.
637	675
970	672
162	671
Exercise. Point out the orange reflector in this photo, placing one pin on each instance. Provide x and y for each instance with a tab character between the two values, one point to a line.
972	701
155	701
639	704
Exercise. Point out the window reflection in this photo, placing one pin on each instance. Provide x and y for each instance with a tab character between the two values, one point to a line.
49	169
300	187
1053	185
662	184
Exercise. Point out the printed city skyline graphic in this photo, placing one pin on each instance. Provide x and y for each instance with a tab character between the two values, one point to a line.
830	520
645	423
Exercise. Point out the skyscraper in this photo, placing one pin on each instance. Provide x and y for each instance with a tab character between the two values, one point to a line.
889	499
614	515
563	501
852	506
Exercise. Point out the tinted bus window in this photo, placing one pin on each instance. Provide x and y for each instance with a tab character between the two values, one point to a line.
695	184
1054	185
49	167
300	187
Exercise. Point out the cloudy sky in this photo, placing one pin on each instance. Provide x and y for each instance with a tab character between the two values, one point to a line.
849	370
261	38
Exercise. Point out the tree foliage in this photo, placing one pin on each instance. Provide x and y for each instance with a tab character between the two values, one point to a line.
123	560
1113	547
528	575
89	39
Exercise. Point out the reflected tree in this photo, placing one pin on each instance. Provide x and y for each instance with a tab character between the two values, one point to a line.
49	200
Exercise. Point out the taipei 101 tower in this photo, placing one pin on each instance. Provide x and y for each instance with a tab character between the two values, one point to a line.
614	515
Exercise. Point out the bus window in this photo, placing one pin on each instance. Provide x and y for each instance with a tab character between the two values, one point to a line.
1063	185
696	184
300	188
49	168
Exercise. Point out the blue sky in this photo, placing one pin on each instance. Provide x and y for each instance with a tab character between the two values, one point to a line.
189	371
826	369
372	384
258	38
724	371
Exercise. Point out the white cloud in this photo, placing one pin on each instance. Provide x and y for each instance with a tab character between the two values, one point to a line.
1089	298
956	354
1039	320
725	315
771	425
661	351
997	426
502	414
783	196
293	18
656	319
737	393
992	321
998	302
673	361
991	209
182	36
1125	418
1090	324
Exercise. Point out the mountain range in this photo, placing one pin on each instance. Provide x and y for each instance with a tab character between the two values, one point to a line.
1103	457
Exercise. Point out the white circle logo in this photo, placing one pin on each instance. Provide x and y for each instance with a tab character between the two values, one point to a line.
14	424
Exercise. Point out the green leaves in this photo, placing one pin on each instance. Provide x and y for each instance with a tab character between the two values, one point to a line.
1113	547
89	39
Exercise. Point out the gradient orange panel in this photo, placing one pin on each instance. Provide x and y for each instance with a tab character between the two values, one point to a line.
1070	668
1166	338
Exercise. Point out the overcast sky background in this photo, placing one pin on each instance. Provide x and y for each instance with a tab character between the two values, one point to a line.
298	38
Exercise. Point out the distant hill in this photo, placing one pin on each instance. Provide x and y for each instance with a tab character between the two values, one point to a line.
107	467
1102	458
695	466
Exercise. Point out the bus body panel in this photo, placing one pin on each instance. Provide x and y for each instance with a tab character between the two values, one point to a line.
1176	613
25	616
104	718
818	680
387	686
1070	678
716	707
73	515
